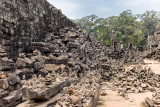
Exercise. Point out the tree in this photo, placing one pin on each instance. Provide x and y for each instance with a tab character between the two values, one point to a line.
126	28
149	21
87	23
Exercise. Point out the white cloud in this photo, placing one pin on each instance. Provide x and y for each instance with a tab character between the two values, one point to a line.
70	9
103	9
134	3
139	6
74	9
155	4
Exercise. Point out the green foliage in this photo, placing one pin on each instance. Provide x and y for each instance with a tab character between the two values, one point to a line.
127	27
149	20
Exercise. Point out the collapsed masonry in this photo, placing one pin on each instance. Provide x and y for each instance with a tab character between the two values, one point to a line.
25	21
42	51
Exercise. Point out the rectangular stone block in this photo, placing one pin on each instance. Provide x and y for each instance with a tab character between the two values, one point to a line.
52	67
46	94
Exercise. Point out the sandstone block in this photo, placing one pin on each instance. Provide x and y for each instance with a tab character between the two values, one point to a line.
4	83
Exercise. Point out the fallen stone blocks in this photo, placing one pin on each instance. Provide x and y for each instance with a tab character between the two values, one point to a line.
14	98
43	88
83	94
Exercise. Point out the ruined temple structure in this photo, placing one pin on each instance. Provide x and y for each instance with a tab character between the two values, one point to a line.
46	57
41	52
25	21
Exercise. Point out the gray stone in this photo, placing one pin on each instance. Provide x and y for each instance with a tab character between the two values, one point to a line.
3	93
28	72
12	99
38	65
13	79
26	62
20	63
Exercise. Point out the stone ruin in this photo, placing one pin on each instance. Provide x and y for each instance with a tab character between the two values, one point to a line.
46	57
154	40
25	21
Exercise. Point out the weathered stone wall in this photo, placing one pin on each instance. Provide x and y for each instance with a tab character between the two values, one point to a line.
26	21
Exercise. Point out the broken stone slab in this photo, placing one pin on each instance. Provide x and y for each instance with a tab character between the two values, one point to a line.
149	102
12	99
4	83
45	94
52	67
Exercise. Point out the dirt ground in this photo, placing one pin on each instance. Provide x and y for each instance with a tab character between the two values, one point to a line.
154	65
112	99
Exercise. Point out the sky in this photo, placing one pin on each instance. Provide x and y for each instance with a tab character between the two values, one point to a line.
75	9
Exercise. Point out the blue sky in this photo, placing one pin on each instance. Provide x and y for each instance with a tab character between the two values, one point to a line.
75	9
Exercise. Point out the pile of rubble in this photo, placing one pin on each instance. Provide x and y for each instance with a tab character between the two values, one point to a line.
110	66
71	54
82	94
153	54
42	51
136	80
25	21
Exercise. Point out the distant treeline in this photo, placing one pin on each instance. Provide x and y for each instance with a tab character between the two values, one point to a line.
126	28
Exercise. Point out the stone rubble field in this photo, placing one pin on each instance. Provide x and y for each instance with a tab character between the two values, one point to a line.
47	61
